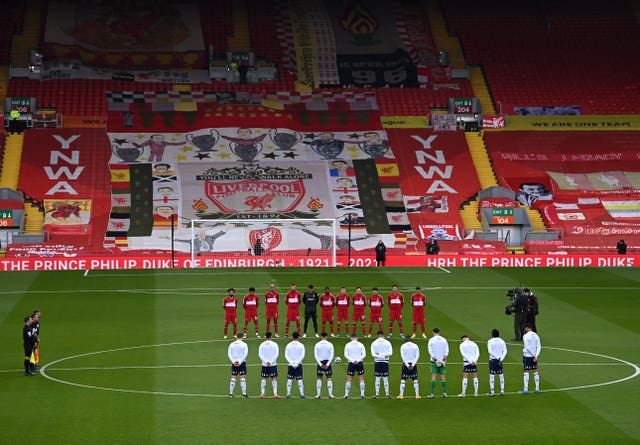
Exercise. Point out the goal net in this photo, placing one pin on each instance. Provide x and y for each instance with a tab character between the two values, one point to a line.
264	243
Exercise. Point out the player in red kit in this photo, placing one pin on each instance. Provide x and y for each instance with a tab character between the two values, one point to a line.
418	302
395	300
327	302
359	304
230	304
271	300
292	300
376	302
250	305
342	303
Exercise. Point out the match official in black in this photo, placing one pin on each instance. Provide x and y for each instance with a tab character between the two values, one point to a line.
35	332
310	299
29	343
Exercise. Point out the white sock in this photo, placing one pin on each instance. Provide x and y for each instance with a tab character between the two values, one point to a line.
377	385
301	387
263	386
465	382
243	385
319	387
274	385
491	382
385	380
289	382
362	388
232	386
347	388
536	379
330	387
416	387
475	385
526	381
402	384
501	382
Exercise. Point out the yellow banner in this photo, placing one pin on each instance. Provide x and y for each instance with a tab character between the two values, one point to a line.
404	121
388	169
306	54
67	212
572	123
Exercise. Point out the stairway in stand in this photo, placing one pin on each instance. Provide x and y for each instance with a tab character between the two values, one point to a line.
240	41
30	37
441	36
481	90
480	157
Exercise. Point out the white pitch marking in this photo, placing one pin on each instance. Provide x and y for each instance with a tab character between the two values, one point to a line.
444	269
86	272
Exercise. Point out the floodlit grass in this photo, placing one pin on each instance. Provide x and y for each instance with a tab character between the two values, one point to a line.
138	357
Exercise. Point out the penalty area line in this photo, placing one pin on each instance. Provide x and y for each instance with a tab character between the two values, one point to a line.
444	269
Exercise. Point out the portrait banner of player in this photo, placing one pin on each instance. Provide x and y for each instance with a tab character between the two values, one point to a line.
164	172
165	193
326	145
529	193
245	145
157	144
164	216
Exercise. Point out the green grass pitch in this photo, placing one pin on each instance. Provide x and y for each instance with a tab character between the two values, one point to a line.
137	357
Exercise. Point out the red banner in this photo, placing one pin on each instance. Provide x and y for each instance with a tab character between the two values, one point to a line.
489	121
440	261
69	165
437	176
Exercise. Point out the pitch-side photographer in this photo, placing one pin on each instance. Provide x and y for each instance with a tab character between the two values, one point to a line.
519	307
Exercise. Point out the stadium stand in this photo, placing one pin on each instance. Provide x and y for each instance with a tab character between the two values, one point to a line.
516	58
553	53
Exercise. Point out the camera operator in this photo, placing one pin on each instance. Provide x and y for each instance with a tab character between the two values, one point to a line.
532	308
519	307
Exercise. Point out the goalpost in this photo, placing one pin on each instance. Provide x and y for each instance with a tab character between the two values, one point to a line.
264	242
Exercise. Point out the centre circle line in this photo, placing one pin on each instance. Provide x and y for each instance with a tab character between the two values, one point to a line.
43	370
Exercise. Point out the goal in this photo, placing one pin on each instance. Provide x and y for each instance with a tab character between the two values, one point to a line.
263	243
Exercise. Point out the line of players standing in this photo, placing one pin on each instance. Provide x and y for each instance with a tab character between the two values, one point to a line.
354	351
381	351
329	304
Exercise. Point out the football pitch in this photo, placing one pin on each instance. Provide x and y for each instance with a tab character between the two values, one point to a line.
138	357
